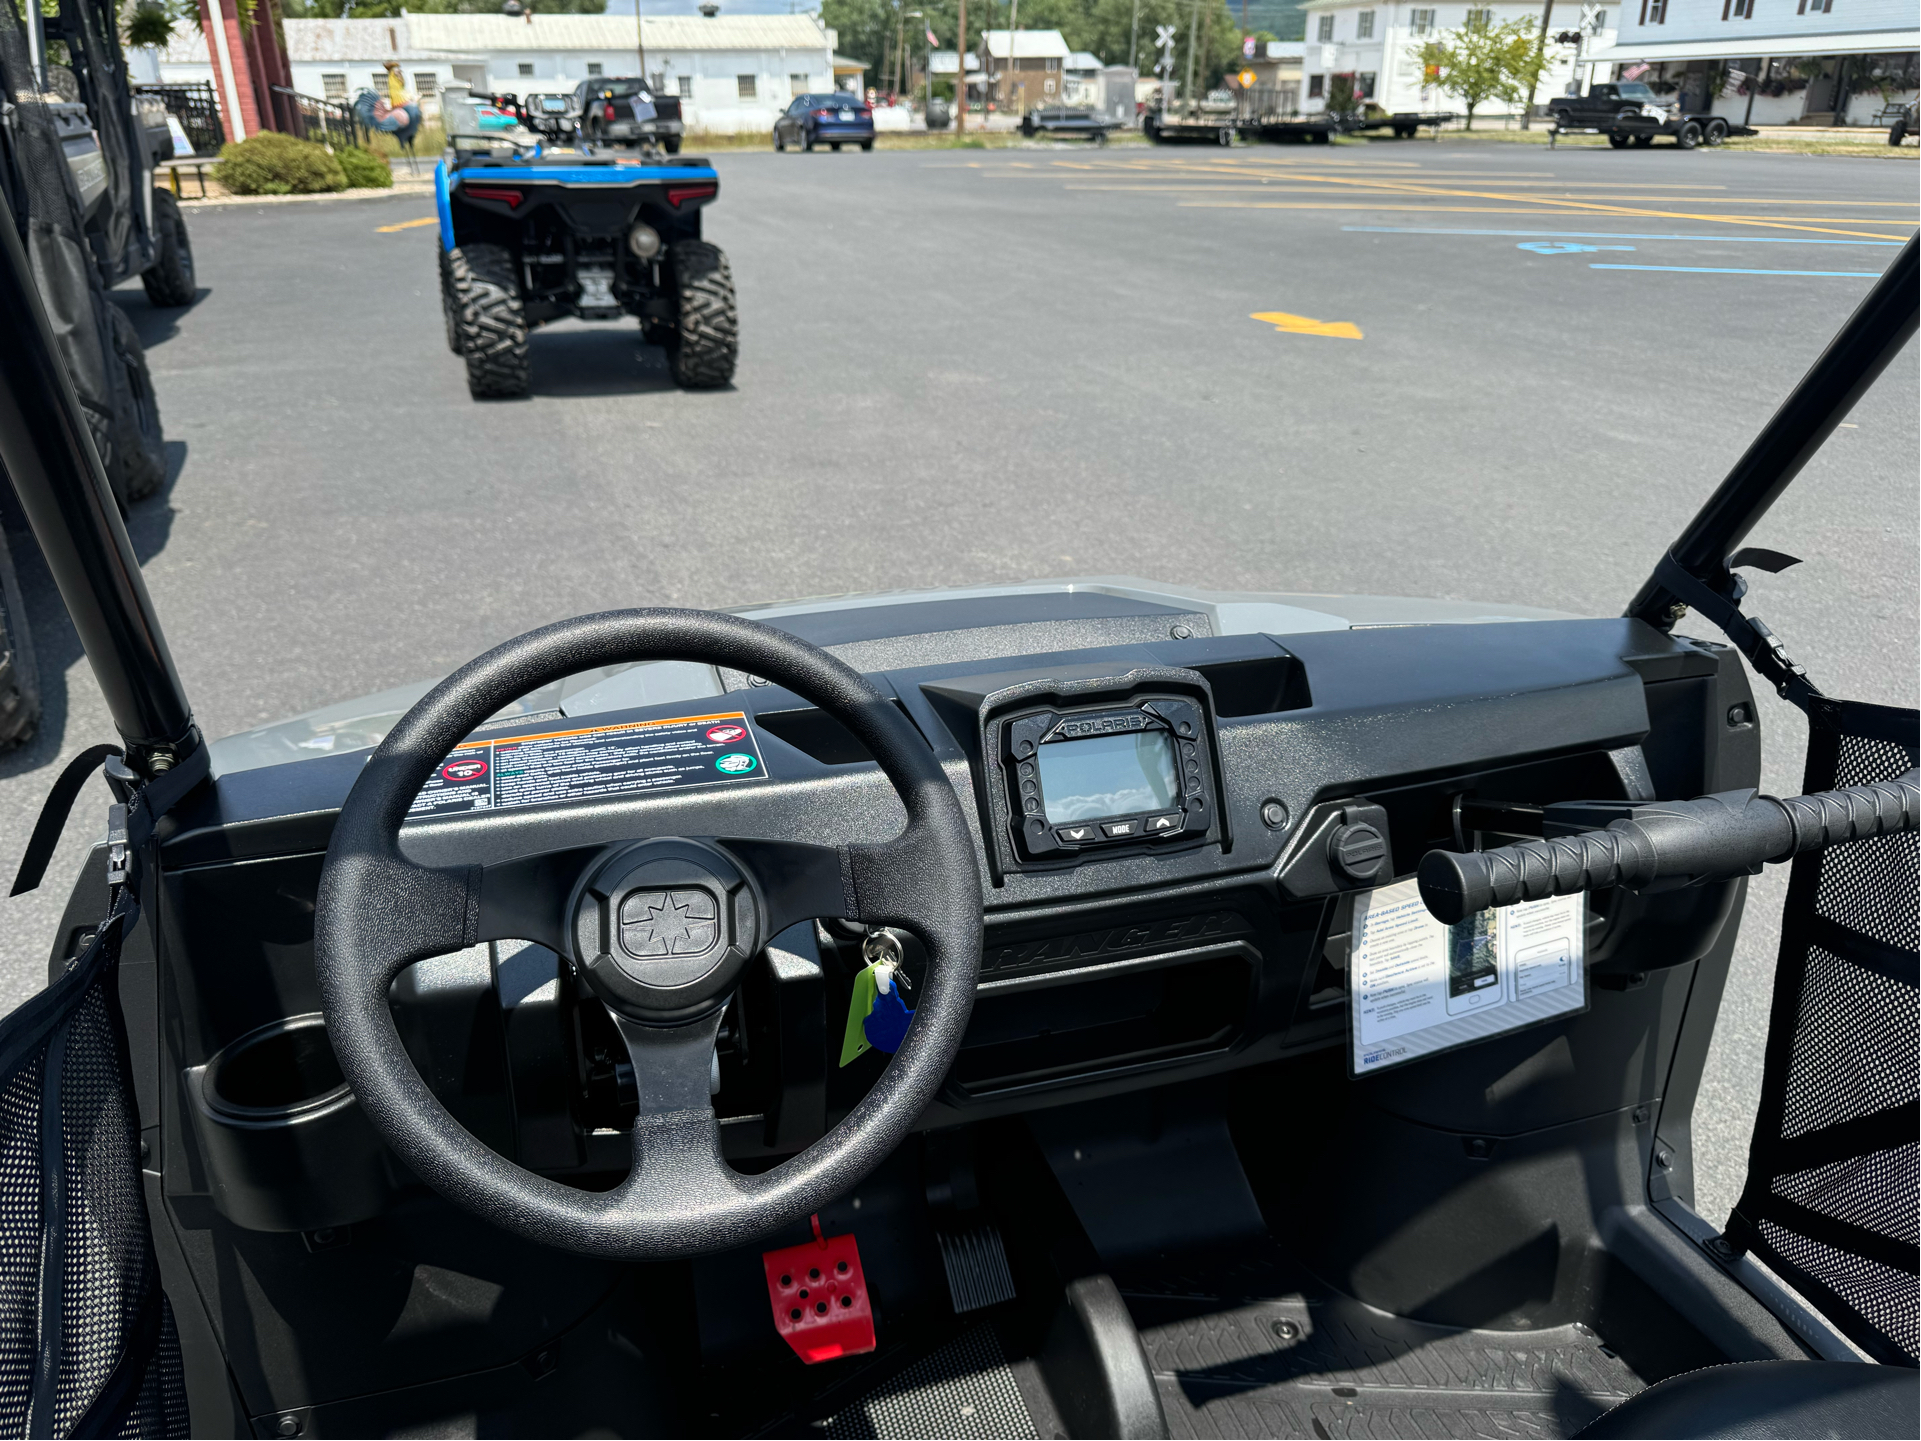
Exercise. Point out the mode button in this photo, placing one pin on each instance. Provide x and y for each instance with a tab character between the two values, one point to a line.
1120	830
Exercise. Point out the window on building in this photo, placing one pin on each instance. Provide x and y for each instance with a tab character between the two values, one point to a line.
1480	17
525	69
333	87
1325	32
1815	7
685	85
745	85
1364	85
1316	86
1601	19
1364	25
426	83
1655	12
594	67
1420	22
1053	64
797	84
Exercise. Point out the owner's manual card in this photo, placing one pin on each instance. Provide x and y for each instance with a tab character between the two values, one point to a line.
1417	987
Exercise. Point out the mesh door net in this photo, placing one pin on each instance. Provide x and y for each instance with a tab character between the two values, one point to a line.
1831	1196
87	1342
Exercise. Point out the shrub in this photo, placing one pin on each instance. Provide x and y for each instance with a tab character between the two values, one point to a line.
270	164
364	169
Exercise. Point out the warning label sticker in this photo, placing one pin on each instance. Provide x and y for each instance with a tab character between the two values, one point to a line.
590	763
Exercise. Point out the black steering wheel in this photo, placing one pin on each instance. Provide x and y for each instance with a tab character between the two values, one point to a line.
379	912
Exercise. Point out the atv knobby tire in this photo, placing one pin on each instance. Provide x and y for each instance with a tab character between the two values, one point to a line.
169	280
491	321
138	464
449	301
707	341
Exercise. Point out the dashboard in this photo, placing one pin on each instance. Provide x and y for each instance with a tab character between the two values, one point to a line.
1172	824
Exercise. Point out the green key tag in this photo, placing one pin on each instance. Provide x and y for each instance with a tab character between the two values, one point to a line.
858	1005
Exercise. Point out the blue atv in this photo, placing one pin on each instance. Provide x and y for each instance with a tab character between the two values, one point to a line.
532	230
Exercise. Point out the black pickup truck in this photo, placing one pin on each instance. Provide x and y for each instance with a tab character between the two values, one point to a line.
1629	113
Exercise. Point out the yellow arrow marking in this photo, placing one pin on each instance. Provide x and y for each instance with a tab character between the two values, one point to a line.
406	225
1300	325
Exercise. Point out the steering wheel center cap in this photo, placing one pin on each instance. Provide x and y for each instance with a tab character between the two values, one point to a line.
662	929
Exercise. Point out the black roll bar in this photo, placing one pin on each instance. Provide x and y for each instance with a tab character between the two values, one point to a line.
48	453
1853	361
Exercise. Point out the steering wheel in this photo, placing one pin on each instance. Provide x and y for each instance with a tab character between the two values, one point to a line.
665	987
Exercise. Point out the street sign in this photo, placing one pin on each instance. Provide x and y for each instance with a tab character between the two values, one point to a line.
1247	47
1247	79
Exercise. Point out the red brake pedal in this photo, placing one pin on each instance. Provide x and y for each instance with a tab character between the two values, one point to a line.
819	1295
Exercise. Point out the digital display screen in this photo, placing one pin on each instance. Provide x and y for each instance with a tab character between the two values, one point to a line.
1110	775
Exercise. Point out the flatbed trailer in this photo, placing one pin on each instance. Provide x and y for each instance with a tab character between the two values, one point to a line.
1405	123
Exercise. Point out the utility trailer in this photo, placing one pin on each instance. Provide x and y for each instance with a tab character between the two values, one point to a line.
1404	123
1628	113
1213	121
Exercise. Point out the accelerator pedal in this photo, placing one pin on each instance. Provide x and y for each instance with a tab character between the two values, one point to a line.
976	1262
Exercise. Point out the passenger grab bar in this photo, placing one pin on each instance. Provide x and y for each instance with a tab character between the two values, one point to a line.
1666	844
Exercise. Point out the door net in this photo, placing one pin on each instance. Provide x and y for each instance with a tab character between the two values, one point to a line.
1831	1197
87	1342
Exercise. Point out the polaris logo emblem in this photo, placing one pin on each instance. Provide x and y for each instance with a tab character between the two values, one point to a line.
1102	725
669	923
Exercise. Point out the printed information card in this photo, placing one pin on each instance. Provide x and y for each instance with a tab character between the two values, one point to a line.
1416	987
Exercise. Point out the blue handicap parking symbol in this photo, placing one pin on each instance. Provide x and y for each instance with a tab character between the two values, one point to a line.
1565	247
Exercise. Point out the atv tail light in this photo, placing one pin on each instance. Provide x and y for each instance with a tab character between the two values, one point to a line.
644	241
508	198
678	193
607	111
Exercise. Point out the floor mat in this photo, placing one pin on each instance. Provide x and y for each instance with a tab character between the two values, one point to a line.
965	1389
1338	1368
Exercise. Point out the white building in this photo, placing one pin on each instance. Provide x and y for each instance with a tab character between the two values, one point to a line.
1773	62
732	73
1370	41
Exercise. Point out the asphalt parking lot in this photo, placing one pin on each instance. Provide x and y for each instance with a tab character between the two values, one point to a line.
1483	372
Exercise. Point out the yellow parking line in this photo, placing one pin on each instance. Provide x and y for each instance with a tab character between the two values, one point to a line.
407	225
1413	188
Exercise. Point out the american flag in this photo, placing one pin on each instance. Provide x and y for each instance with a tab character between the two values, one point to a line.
1635	72
932	38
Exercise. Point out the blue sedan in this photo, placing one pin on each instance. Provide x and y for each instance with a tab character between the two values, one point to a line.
832	120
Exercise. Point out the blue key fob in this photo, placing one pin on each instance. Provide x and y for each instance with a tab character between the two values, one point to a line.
886	1025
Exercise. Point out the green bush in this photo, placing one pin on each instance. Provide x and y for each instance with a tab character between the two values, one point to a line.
365	170
270	164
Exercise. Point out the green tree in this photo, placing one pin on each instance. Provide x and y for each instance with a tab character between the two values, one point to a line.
1479	62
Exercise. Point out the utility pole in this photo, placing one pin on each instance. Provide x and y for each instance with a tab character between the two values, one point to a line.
1540	49
640	43
960	73
1193	19
1133	40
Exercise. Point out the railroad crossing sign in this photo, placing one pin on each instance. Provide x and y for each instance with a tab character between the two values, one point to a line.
1164	38
1591	19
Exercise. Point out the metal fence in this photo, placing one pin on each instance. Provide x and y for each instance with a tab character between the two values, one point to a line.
192	103
325	122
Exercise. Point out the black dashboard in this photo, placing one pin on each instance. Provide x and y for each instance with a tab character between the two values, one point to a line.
1171	827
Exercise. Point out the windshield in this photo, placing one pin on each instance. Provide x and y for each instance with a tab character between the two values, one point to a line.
1632	91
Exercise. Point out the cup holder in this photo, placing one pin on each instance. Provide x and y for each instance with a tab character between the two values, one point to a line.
283	1138
279	1070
